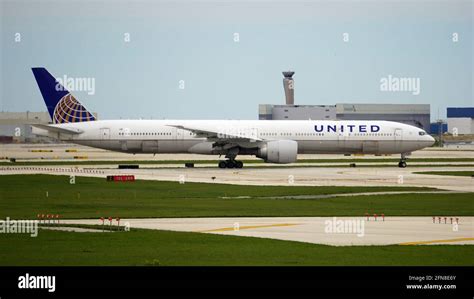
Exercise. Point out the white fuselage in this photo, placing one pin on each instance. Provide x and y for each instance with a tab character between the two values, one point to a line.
312	136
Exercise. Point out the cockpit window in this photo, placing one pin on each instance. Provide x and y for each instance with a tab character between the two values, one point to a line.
421	133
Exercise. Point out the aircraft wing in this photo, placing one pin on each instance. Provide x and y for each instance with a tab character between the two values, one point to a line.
55	129
220	137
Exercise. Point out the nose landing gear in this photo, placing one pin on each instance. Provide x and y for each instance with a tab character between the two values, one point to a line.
403	160
402	164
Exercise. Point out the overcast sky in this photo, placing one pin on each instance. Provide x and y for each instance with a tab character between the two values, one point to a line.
193	43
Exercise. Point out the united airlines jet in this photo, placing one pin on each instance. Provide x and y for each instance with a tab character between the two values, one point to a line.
273	141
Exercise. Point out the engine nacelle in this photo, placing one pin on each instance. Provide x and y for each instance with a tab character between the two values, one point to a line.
279	151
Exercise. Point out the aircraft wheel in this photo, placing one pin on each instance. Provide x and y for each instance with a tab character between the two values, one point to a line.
402	164
239	164
230	164
222	164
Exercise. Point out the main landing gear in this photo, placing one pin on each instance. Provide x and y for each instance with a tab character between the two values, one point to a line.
403	161
231	164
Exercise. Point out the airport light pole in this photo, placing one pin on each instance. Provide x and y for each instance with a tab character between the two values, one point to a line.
440	123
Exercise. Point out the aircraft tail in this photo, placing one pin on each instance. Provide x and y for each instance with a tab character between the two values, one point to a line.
62	105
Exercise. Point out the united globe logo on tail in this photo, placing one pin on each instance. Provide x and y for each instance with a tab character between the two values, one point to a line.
62	106
69	110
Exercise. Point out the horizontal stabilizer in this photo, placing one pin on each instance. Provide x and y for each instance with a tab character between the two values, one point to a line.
55	129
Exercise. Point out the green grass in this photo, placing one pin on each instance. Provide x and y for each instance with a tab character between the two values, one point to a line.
48	162
452	173
24	196
165	248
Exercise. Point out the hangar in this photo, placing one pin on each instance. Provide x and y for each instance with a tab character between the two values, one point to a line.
461	120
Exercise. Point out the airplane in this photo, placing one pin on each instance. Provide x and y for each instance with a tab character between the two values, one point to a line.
274	141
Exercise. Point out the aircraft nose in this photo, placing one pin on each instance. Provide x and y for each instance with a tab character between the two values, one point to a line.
432	140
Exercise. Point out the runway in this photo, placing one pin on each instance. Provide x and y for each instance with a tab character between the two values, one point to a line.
57	152
321	230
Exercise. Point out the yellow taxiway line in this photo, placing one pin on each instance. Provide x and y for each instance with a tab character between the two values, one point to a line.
225	229
437	241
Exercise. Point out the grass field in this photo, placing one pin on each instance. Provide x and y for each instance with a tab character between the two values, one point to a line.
454	173
164	248
24	196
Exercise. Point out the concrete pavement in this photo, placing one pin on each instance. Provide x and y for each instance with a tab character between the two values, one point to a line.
336	231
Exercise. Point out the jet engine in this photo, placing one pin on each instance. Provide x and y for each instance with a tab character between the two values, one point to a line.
278	151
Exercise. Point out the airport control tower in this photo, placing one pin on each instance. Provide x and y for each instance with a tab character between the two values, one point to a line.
288	85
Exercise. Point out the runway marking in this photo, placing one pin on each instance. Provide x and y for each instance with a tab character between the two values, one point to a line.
437	241
225	229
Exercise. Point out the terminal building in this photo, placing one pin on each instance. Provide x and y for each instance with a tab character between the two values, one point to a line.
282	112
16	126
413	114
